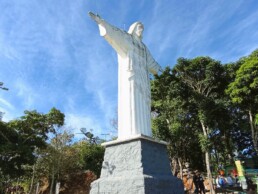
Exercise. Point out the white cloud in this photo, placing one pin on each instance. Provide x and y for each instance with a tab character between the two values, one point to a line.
9	111
6	50
26	93
5	103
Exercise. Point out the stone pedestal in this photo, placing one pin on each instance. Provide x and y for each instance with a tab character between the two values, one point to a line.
138	165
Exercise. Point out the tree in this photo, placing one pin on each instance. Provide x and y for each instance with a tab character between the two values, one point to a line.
90	137
91	156
9	152
20	137
174	121
58	160
62	159
207	80
244	91
91	152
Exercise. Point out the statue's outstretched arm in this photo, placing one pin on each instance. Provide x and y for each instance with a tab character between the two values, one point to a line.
95	17
117	38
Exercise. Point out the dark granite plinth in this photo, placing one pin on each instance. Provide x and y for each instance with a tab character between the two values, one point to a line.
136	166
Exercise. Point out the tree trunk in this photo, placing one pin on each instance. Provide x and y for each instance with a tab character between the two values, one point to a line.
181	168
207	161
32	179
174	165
253	131
209	175
37	188
52	182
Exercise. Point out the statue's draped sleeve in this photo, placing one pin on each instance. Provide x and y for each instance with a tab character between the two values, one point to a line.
153	66
117	38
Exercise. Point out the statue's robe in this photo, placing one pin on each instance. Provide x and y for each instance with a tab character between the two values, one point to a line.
134	65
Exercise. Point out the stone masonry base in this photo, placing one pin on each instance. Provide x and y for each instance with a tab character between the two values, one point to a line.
136	166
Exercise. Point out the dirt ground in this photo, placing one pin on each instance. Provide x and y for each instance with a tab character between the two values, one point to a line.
77	183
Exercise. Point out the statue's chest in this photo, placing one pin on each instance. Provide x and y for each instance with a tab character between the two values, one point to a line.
139	49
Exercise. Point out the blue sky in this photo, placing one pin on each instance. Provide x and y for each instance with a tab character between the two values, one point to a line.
51	54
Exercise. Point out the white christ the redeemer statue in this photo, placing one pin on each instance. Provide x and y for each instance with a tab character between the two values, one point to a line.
134	65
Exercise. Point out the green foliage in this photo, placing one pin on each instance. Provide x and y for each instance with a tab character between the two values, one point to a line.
91	156
203	75
244	89
190	105
54	118
25	149
89	136
174	123
9	151
62	158
22	136
206	80
59	158
204	142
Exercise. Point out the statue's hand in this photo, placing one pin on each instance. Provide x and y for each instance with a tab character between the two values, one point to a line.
96	18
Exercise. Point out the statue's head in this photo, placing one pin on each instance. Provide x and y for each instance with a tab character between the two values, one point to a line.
136	29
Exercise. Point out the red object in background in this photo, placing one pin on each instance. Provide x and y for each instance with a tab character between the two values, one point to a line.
221	172
234	172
